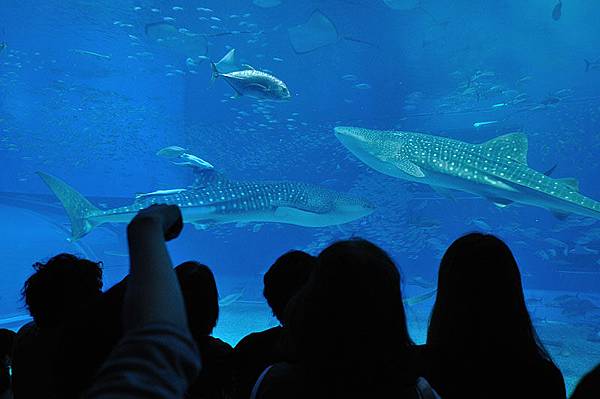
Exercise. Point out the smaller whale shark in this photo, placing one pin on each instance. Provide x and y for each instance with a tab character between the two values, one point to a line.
215	199
496	169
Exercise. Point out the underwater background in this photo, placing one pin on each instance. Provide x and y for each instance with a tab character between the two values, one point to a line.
90	90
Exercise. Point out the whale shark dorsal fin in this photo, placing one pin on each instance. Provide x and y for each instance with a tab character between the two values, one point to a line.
571	182
512	145
228	63
409	168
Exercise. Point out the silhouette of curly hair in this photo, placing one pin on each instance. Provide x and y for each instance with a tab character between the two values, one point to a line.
60	286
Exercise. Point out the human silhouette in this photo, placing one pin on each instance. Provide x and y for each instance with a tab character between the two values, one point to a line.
7	339
87	340
589	386
345	332
201	299
157	356
257	351
56	291
94	333
481	342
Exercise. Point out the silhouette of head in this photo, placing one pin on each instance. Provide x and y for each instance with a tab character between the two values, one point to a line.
285	277
349	318
201	297
61	286
480	301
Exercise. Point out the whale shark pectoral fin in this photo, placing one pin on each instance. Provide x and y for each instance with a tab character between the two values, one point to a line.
571	182
409	168
512	145
258	86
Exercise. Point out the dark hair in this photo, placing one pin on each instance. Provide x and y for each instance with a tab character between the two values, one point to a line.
480	302
285	277
349	321
60	286
201	297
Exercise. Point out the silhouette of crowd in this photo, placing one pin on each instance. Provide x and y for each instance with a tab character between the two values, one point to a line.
342	332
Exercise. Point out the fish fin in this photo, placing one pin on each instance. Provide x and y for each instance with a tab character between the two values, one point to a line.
236	93
571	182
193	161
249	67
587	65
512	145
228	63
76	205
262	87
551	170
410	168
560	215
215	72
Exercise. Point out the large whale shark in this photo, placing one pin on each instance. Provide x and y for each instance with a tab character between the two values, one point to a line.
215	199
496	169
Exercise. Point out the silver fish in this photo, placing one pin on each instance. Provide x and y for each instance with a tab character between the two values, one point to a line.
247	81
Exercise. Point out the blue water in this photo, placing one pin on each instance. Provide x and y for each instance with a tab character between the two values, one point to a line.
87	96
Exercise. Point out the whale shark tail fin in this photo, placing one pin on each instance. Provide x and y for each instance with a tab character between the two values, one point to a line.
76	205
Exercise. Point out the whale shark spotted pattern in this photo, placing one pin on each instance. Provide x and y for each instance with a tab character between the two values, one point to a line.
214	199
496	169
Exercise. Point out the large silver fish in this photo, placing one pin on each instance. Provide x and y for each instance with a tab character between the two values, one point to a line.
249	82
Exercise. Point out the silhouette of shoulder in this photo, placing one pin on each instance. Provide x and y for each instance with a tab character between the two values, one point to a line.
252	355
589	386
258	342
286	380
216	377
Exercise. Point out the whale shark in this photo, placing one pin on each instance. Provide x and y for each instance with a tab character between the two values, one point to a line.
214	199
496	169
